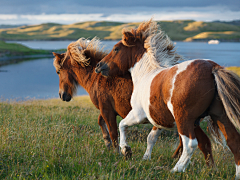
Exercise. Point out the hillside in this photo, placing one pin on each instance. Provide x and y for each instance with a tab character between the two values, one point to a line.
13	52
187	30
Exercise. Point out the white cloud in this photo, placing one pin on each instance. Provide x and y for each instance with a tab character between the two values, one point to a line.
139	14
6	17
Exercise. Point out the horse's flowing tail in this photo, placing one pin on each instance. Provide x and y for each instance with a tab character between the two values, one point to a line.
228	88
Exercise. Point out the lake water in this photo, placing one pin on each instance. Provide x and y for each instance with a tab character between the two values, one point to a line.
38	79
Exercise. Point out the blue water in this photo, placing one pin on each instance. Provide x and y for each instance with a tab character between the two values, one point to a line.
38	78
225	54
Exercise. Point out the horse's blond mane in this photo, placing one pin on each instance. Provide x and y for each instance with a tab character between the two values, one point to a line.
76	50
159	47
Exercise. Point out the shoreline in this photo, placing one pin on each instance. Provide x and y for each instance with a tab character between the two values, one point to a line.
6	60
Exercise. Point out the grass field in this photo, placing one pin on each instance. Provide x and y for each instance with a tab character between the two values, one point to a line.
51	139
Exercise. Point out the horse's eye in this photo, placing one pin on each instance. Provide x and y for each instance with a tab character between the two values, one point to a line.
116	49
58	72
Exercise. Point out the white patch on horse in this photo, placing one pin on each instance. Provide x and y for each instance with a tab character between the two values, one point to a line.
189	145
237	172
142	76
151	140
181	67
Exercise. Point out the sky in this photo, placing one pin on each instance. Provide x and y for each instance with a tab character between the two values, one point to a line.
72	11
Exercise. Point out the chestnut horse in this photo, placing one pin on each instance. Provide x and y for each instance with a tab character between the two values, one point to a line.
172	95
111	96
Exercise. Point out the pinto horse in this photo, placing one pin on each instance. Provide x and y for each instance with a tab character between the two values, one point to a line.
111	96
174	95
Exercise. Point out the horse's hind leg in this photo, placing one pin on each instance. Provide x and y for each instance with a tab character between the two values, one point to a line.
204	144
152	139
105	133
178	150
220	119
189	142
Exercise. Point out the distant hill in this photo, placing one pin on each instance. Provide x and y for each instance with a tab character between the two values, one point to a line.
6	26
235	22
182	30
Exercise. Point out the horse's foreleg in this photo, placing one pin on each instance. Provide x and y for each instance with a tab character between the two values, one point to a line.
130	120
151	140
110	119
190	143
105	133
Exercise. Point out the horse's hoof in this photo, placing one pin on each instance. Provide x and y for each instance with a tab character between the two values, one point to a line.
127	152
173	170
146	157
108	143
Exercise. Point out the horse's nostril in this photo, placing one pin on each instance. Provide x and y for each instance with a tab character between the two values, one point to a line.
64	96
59	95
98	64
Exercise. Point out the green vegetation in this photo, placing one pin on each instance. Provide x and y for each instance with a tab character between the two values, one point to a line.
51	139
14	49
187	30
13	52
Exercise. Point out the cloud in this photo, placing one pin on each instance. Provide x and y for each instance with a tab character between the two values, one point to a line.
209	13
105	6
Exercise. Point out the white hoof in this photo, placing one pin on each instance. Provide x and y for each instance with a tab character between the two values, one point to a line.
146	157
237	172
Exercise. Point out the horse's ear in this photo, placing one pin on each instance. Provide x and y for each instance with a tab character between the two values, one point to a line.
57	55
128	38
58	59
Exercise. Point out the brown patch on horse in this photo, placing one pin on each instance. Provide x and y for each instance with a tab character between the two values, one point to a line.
160	96
198	98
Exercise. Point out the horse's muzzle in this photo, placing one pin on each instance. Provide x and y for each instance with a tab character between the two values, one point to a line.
102	68
65	97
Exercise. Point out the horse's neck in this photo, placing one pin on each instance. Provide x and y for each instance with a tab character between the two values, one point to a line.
143	69
85	77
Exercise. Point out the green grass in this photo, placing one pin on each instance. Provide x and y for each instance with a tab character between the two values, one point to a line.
14	49
51	139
